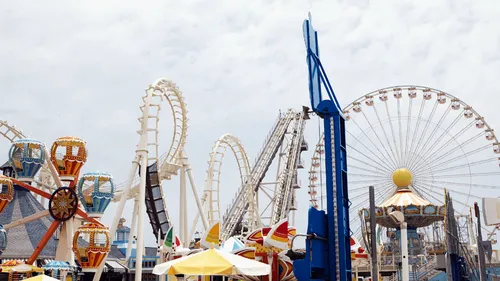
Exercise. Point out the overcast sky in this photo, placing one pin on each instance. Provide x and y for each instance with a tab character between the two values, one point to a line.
69	68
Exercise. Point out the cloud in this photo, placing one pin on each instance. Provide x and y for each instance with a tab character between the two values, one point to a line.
81	68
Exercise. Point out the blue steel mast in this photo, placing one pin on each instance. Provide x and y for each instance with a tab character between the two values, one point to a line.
328	253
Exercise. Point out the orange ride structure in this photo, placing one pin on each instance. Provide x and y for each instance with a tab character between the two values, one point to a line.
90	243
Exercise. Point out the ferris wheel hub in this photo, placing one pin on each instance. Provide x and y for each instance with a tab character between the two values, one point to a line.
402	177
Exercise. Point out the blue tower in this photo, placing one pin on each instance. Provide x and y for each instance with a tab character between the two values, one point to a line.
27	157
328	253
122	237
96	190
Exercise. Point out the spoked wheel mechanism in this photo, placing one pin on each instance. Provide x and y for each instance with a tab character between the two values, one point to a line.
63	204
443	142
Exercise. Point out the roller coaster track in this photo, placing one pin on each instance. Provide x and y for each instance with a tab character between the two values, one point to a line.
165	166
211	194
284	194
11	133
235	214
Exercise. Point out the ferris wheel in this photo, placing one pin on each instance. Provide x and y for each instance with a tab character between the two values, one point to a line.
441	140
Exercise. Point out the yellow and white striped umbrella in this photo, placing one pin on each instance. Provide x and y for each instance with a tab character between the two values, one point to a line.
213	262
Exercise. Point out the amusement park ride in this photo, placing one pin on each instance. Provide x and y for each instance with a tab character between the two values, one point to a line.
328	251
406	157
67	156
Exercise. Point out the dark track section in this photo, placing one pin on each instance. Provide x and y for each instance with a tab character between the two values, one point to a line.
155	203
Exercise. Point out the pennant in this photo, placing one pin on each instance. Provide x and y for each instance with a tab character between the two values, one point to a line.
255	237
278	235
168	241
211	237
178	242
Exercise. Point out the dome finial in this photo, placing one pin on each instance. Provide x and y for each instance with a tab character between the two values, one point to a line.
402	177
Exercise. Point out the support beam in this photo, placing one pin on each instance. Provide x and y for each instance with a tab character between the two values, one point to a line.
183	209
373	234
45	239
27	219
480	248
133	231
139	251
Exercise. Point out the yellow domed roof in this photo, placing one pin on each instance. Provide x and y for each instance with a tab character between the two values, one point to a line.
402	177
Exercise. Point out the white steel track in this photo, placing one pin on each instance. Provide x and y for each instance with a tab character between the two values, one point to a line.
44	180
237	214
284	192
147	155
211	194
171	161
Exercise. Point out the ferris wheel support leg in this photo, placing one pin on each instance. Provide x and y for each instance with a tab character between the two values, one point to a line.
53	171
62	246
71	230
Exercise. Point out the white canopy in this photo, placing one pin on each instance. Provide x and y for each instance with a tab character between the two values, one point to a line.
213	262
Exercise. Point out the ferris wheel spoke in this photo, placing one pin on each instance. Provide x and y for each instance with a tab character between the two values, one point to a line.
434	152
357	192
429	168
365	187
380	141
400	127
415	131
459	157
442	200
382	191
438	139
374	182
475	163
353	220
357	232
394	153
408	126
381	164
410	103
461	145
428	192
361	188
380	194
432	134
350	167
383	195
431	184
367	175
357	206
432	149
385	159
400	149
449	183
469	175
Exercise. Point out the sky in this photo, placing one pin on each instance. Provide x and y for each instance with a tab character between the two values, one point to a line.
80	68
